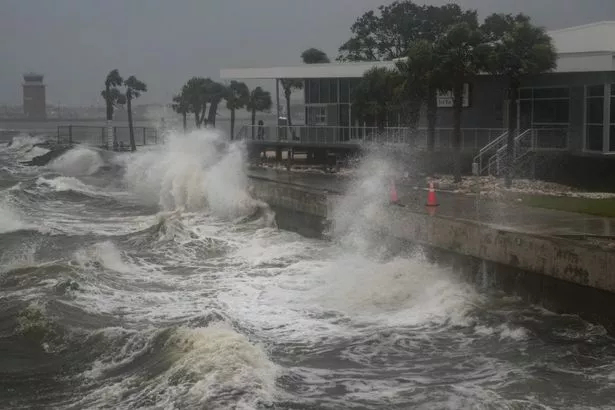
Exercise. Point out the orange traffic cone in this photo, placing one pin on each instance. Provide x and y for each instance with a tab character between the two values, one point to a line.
393	193
431	196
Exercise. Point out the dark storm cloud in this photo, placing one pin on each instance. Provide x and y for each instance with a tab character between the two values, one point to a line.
75	42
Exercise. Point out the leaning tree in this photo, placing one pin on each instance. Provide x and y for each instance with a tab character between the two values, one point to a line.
113	97
134	88
259	100
237	97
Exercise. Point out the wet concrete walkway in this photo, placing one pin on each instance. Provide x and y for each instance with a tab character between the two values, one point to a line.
502	215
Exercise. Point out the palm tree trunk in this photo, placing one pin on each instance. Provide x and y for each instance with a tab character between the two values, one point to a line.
289	121
432	116
457	107
253	121
202	118
213	111
133	145
110	136
232	124
109	103
185	119
513	90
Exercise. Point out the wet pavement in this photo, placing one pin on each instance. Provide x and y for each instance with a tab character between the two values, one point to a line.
509	216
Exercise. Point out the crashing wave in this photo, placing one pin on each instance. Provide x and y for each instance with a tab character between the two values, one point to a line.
78	161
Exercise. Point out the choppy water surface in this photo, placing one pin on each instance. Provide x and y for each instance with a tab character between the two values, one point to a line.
153	280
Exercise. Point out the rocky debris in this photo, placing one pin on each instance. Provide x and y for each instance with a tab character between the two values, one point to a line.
493	187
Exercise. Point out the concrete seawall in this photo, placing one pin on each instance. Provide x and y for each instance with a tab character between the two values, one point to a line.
562	274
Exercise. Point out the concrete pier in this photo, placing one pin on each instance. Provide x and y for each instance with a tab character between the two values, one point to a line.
565	275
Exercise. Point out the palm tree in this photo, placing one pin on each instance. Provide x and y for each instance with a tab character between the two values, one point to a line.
460	60
288	85
237	96
134	88
314	56
215	92
113	97
195	95
259	100
516	49
180	105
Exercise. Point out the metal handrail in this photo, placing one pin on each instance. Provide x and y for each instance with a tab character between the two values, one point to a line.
495	158
478	159
493	143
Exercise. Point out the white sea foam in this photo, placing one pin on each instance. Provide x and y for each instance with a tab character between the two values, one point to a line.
64	184
193	172
213	366
77	162
10	220
104	254
24	142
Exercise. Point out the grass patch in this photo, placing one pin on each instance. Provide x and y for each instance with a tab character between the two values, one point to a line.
589	206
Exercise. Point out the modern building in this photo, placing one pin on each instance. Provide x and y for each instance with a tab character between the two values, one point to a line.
568	111
34	103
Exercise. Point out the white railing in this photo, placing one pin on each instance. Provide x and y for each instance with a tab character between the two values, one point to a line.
492	146
528	141
520	149
471	138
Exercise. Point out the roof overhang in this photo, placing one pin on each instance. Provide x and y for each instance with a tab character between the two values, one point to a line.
585	62
332	70
566	63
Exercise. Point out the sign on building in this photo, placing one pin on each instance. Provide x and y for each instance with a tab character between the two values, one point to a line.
445	99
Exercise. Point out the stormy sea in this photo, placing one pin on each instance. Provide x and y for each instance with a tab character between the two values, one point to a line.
154	280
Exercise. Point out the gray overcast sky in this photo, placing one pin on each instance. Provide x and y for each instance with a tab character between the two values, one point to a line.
74	43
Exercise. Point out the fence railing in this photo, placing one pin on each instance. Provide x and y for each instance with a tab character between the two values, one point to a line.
97	136
471	138
525	142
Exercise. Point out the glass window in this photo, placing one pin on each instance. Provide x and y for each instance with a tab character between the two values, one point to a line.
324	90
560	92
612	120
344	91
314	92
594	117
595	91
317	115
352	85
354	119
551	111
333	91
595	110
525	93
594	137
344	115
